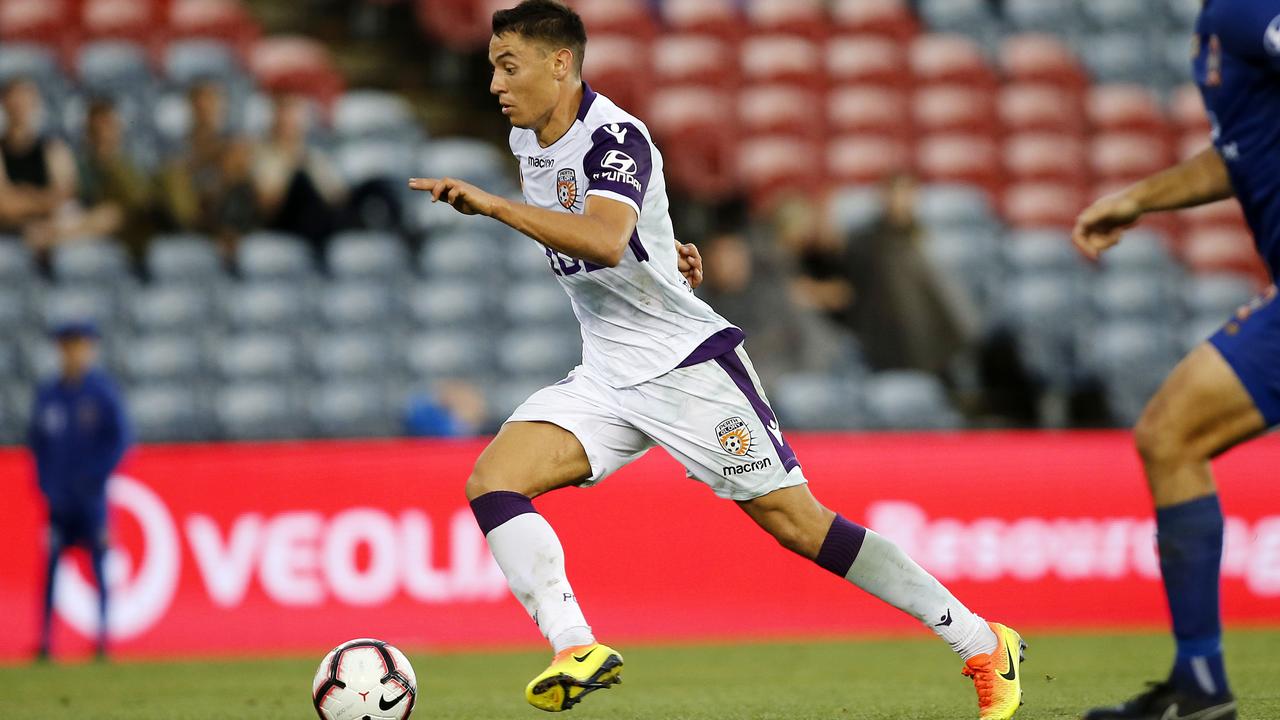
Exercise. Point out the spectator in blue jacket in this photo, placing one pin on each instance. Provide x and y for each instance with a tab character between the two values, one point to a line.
78	433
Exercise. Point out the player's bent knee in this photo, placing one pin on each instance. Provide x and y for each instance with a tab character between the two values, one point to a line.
1160	442
482	482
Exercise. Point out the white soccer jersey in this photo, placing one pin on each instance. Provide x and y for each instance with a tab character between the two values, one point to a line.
639	319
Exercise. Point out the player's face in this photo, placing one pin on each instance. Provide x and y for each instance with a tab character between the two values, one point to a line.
524	79
78	355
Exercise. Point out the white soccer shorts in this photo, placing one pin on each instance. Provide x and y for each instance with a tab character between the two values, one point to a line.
712	417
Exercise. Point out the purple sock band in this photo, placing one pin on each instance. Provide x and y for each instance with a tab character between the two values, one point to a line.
495	508
841	547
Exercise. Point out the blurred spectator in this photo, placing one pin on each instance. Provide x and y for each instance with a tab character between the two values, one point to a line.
209	190
78	433
37	172
877	282
299	190
454	408
118	196
748	286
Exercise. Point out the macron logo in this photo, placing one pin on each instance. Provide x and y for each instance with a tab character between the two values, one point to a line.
618	132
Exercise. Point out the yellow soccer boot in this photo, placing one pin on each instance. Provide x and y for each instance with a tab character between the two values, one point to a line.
573	673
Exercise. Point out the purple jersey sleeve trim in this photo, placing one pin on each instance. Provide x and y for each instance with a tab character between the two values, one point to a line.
588	97
713	347
737	371
495	508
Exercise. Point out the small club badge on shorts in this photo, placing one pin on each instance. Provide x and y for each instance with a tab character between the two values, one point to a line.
735	436
567	187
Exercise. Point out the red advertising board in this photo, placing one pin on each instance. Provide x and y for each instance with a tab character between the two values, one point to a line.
257	548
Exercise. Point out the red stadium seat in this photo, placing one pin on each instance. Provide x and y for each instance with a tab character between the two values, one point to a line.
136	20
1186	109
618	66
969	159
461	24
891	18
616	16
867	59
801	17
1127	156
1044	59
685	108
782	58
1040	204
951	59
718	17
1226	213
1046	157
1222	249
870	109
291	63
43	21
696	58
954	108
864	158
1132	108
781	109
1040	107
772	165
226	20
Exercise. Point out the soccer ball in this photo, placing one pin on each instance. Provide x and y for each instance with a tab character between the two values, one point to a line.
364	679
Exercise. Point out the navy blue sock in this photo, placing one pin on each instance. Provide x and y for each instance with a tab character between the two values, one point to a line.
1189	536
98	558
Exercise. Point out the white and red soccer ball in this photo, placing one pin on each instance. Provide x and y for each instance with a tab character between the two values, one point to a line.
364	679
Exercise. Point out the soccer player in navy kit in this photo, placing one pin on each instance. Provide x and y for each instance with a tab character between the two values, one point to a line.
78	433
1227	390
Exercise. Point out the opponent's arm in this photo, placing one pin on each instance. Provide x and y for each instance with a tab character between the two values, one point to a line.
599	235
1196	181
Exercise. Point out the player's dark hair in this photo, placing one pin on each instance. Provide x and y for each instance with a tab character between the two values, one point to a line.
547	21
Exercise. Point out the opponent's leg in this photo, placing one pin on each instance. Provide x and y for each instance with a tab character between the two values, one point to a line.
525	460
97	558
1201	411
51	570
801	524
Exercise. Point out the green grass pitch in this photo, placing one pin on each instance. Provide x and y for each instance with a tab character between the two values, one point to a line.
916	679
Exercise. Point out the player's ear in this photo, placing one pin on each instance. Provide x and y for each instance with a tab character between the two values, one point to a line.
562	63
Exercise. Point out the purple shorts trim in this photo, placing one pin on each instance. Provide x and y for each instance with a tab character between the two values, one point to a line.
713	347
495	508
732	364
841	547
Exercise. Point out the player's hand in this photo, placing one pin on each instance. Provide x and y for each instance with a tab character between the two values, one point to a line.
1101	224
463	196
690	263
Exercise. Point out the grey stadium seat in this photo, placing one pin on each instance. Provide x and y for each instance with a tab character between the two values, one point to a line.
346	409
1121	57
367	255
452	304
853	208
113	67
1056	16
258	356
158	358
962	16
946	205
363	160
525	258
357	304
62	304
20	59
1042	251
170	307
530	352
1220	294
503	397
96	261
373	114
16	265
168	412
1127	348
904	399
474	161
1199	329
1042	312
1138	296
264	255
539	302
186	61
266	305
39	357
1140	251
13	310
257	411
351	355
183	258
460	254
1133	15
818	401
449	354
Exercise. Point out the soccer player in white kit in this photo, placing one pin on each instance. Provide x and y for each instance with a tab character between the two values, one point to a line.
659	367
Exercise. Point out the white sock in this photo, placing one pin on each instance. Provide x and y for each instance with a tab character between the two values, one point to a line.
882	569
532	559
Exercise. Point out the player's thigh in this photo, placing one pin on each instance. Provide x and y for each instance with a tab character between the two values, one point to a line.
793	516
1201	410
530	458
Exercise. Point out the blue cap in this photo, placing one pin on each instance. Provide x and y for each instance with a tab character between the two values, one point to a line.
75	328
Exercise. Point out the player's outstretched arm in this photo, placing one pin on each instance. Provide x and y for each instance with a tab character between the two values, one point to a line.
1199	180
599	235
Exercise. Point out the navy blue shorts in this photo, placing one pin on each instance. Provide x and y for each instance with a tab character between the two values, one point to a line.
1251	346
